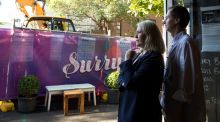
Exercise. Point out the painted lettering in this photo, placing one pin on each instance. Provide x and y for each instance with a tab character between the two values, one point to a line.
208	78
206	71
72	67
217	61
87	66
216	71
206	61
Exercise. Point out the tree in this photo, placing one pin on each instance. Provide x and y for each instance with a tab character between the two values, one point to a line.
102	12
145	7
180	2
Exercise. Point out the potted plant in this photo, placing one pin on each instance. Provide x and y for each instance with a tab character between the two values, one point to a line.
111	81
28	87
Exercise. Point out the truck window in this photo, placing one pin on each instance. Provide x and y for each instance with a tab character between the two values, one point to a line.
54	24
63	25
68	27
32	25
58	25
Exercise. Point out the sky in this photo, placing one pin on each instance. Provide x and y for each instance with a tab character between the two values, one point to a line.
8	11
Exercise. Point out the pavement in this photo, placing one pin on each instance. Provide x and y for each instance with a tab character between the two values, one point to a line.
102	112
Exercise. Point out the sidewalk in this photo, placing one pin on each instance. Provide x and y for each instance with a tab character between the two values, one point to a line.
99	113
103	112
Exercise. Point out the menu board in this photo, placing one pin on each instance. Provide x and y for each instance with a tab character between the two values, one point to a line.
211	78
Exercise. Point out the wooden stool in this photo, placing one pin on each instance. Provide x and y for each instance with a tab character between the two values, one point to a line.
73	94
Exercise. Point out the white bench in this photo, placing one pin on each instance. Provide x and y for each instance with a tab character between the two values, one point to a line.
58	89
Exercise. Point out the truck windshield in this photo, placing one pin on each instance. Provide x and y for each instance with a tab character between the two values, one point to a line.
52	24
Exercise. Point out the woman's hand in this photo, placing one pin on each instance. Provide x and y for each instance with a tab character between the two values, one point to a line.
131	53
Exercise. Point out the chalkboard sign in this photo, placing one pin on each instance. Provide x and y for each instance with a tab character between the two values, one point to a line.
211	76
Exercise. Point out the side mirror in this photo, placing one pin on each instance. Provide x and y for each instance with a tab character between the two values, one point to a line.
18	24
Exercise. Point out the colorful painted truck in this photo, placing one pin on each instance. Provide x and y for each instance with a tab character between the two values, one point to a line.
57	57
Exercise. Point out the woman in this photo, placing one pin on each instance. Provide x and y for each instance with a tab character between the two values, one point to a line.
141	76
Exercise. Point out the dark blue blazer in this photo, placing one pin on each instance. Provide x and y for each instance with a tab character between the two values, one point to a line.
140	85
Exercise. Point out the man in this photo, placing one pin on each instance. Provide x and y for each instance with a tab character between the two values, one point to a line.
44	26
183	99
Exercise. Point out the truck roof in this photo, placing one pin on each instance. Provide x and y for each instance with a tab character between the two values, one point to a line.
46	18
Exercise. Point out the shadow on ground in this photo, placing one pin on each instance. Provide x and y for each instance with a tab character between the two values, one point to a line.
103	112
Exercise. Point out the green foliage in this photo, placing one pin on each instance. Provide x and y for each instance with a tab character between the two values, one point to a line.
95	9
28	86
105	12
180	2
145	7
111	80
102	12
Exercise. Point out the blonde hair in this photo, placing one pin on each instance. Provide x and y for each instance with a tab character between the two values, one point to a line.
154	40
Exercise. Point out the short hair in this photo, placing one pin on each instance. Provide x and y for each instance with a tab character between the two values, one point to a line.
181	13
154	40
45	24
